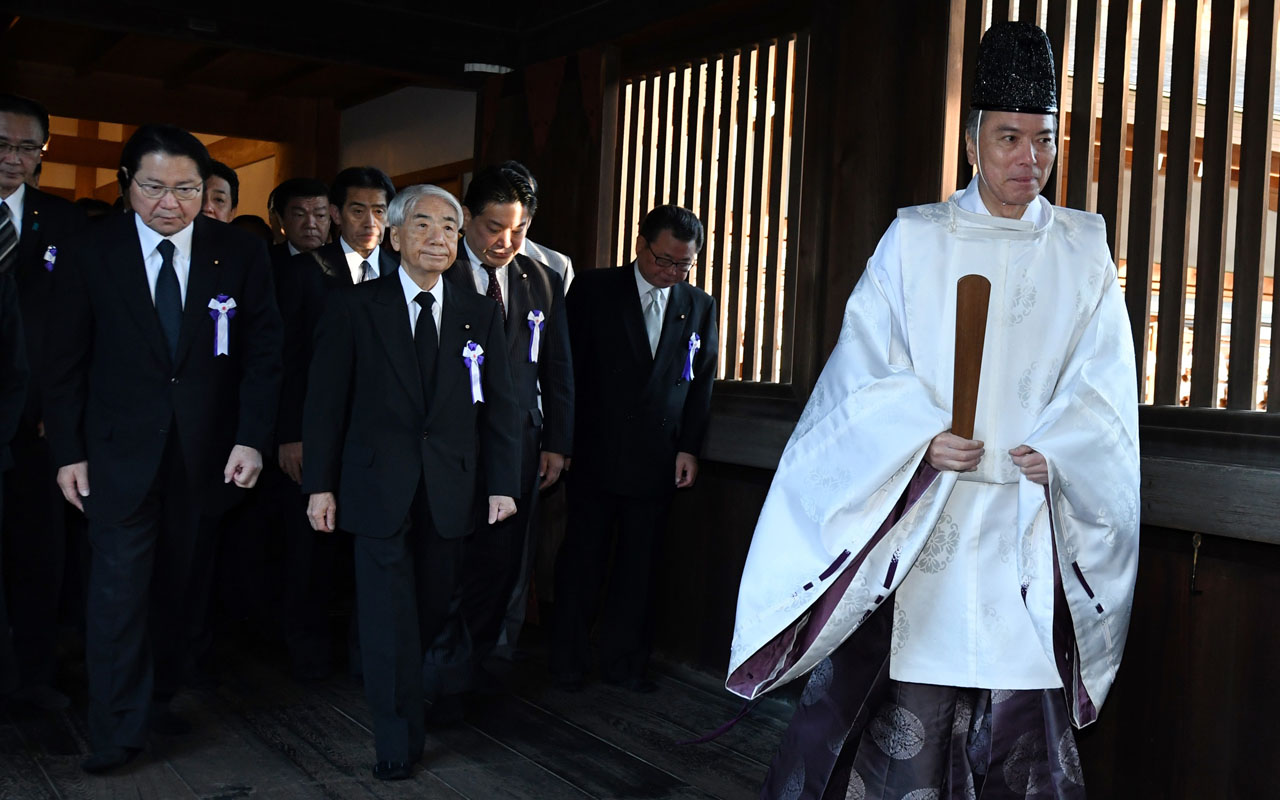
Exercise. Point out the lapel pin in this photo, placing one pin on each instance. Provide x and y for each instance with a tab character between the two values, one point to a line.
524	276
215	263
682	316
466	326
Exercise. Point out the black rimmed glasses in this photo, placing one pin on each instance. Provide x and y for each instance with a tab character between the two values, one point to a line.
157	190
23	149
666	263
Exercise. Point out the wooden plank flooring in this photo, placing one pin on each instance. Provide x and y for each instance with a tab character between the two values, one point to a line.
261	735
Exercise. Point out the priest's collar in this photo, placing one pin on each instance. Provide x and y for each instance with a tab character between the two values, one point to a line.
970	200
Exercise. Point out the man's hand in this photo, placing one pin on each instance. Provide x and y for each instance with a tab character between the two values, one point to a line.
500	507
290	455
1032	463
73	480
242	467
686	470
954	453
322	512
550	465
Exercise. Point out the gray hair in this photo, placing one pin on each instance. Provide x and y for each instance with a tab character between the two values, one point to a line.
407	200
971	123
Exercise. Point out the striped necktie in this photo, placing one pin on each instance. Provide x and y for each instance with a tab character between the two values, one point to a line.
8	238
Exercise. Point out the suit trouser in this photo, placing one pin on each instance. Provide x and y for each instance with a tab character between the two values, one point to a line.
317	566
596	518
413	642
8	664
493	568
35	541
134	647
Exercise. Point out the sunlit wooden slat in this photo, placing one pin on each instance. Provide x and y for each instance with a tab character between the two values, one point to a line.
1115	100
1215	190
1253	195
1084	93
1141	238
1179	177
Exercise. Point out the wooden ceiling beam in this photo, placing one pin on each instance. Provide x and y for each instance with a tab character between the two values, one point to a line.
123	98
86	151
287	80
199	60
82	151
93	56
236	152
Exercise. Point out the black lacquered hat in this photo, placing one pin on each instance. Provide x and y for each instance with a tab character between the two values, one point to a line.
1015	71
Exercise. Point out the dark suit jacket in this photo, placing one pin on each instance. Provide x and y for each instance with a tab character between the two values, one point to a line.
635	411
302	282
333	262
299	292
113	396
531	286
14	372
371	437
47	221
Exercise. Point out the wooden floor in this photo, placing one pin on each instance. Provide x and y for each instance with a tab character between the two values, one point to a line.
260	735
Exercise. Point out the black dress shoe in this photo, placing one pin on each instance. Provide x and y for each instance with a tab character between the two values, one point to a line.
111	758
167	723
392	770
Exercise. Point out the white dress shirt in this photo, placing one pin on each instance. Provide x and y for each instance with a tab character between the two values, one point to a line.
151	258
481	274
354	260
411	291
644	287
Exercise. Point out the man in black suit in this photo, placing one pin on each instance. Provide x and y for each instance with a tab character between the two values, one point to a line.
498	208
33	226
644	360
221	192
300	208
358	203
162	382
409	411
14	378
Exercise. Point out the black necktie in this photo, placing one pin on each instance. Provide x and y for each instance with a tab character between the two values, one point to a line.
168	297
8	238
426	344
494	292
366	271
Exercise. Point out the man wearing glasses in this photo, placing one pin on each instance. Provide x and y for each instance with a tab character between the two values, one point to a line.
644	359
33	226
163	377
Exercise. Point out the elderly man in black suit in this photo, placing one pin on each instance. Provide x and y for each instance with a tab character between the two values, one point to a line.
409	412
499	206
162	382
644	359
358	201
33	226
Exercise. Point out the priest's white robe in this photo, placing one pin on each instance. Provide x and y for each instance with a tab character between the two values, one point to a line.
980	565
